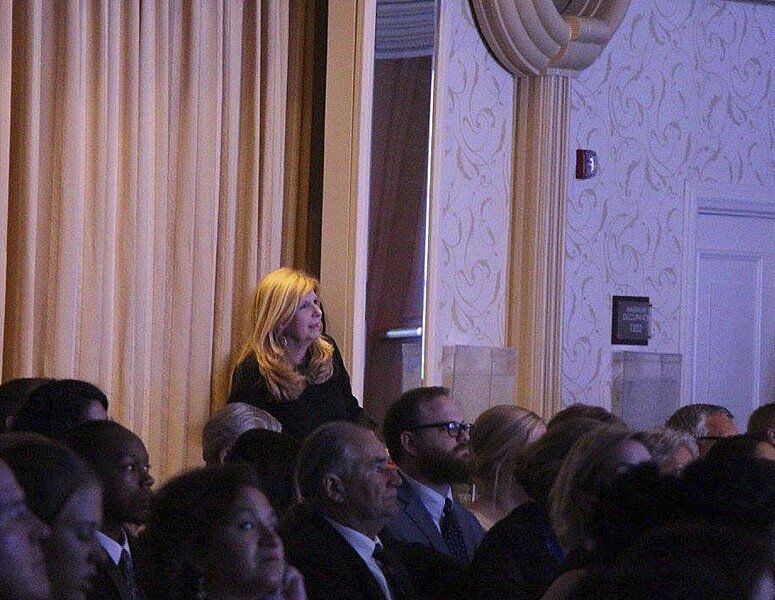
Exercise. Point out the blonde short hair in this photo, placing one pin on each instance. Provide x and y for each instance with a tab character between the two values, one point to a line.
590	464
224	427
275	301
498	437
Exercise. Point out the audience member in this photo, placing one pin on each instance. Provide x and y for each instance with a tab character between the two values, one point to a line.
13	393
427	437
55	407
584	411
761	425
631	504
706	423
288	366
687	560
671	450
63	492
732	489
120	460
212	534
272	457
520	556
349	490
592	462
498	436
224	427
22	565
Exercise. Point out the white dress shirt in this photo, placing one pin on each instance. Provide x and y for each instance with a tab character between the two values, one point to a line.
112	547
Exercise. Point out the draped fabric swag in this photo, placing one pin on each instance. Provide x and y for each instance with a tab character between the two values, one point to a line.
141	198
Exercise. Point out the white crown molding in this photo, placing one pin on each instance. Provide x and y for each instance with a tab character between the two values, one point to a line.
531	37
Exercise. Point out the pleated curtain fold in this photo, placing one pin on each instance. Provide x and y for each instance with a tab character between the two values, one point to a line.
141	198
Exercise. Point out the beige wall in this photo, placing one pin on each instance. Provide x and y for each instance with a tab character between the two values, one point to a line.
683	94
471	189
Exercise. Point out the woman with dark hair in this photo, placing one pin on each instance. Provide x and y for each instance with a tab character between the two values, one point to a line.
63	492
287	366
56	407
212	534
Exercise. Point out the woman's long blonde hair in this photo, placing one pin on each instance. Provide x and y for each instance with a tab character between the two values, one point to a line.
274	303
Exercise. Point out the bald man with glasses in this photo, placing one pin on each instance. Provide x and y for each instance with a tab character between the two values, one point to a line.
428	439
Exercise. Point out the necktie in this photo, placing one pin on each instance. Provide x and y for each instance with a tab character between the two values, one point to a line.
128	573
452	534
383	562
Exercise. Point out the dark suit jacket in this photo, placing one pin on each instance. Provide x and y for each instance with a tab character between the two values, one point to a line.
330	566
414	524
109	583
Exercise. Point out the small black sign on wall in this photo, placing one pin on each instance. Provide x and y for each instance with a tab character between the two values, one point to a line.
631	320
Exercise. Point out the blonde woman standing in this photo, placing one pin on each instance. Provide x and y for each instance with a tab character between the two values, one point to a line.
287	367
499	435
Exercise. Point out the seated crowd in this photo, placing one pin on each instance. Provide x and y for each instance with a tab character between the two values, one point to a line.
580	507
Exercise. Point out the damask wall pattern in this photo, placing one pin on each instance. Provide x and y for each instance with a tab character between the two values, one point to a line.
472	246
684	93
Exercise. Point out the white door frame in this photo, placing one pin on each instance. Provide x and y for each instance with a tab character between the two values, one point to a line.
706	199
346	170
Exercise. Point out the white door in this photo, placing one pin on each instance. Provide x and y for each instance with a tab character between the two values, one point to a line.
734	323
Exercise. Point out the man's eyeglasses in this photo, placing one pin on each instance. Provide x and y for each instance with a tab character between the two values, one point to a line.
454	428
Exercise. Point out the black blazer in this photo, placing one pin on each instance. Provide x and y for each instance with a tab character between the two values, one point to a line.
331	400
109	583
330	566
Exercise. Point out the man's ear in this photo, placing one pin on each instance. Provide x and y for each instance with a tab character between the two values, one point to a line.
407	443
223	455
334	487
771	435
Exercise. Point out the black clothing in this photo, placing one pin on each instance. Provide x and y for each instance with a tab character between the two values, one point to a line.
115	582
518	558
331	400
331	567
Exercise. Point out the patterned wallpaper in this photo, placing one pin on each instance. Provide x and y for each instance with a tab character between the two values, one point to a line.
472	248
684	92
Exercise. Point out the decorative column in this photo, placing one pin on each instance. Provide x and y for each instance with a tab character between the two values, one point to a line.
543	49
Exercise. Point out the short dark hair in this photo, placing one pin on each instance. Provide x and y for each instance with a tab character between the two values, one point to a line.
14	392
185	515
49	472
584	411
404	414
57	406
692	418
272	456
330	448
762	419
95	441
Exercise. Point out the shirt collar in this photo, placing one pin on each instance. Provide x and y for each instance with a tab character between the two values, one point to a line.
112	547
432	500
360	542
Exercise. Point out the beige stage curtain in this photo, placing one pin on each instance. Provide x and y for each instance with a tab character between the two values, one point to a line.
141	186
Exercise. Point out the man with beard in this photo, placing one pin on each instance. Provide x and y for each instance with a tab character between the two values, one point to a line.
428	439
